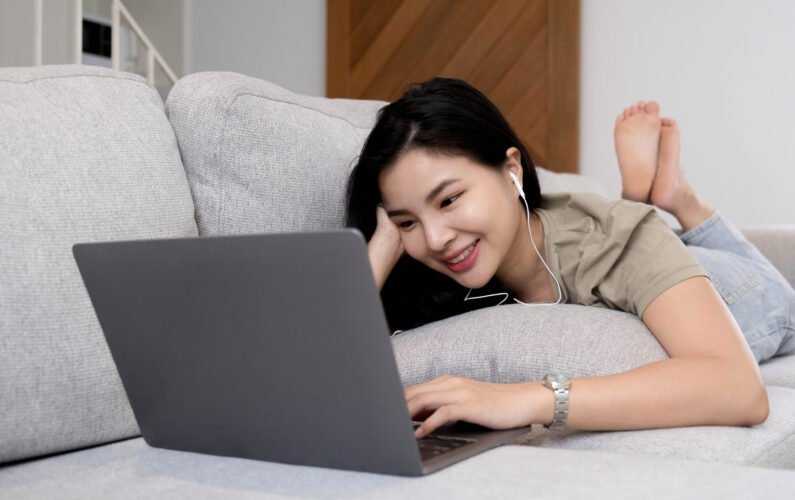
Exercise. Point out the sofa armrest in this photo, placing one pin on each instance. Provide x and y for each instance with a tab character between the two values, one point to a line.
777	243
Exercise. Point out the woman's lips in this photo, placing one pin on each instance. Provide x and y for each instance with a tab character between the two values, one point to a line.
467	263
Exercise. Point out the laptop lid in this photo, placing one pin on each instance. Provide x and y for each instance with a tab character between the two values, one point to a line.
272	347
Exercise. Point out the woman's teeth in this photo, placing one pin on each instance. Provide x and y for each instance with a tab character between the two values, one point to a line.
464	254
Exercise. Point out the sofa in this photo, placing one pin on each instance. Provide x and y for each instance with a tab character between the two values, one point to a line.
89	154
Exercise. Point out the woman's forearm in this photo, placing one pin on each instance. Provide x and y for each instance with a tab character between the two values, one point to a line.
383	257
672	393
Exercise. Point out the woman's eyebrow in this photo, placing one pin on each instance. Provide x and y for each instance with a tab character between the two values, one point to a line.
428	199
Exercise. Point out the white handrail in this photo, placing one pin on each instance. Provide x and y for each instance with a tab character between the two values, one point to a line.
77	46
153	56
38	32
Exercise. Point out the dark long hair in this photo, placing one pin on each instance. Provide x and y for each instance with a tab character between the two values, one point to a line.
446	116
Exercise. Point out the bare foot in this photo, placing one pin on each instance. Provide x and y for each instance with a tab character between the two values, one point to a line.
670	190
637	136
669	176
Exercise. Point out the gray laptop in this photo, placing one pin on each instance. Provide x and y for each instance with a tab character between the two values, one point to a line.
271	347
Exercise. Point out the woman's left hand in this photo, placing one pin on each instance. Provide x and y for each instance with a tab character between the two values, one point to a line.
447	399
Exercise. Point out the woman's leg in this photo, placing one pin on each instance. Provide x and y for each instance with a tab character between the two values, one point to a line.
759	297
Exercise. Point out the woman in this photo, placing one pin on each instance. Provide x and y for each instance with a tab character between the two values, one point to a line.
449	201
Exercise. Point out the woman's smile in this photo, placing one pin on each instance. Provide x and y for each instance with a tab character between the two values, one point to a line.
465	259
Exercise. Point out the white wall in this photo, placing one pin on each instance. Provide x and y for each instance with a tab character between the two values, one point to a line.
724	70
18	41
17	24
283	41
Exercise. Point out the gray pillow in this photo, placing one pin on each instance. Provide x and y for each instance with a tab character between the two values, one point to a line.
86	154
516	343
262	159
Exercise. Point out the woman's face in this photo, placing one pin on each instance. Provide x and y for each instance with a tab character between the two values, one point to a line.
456	216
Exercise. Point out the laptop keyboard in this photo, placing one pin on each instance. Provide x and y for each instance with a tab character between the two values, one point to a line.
433	446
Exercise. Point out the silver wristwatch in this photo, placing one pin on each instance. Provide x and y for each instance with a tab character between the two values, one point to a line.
559	385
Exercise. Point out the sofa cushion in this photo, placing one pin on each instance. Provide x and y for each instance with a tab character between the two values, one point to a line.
779	371
776	243
131	469
514	343
86	154
262	159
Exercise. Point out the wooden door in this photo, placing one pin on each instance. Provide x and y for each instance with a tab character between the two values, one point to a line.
523	54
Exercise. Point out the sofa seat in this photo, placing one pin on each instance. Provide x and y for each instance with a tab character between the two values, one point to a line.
779	371
132	469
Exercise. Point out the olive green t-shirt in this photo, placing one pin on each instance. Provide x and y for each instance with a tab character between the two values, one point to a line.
612	253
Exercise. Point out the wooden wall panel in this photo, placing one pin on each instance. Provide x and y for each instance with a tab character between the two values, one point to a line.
523	54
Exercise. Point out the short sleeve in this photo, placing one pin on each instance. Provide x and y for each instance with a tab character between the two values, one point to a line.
640	257
616	254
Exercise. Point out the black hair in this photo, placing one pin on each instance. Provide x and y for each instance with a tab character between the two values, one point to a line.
443	116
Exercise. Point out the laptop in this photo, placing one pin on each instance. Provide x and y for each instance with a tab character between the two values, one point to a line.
270	347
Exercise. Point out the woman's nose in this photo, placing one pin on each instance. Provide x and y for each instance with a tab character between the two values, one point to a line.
437	236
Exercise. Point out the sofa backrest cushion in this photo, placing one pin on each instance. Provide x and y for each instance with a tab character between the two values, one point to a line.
260	158
86	154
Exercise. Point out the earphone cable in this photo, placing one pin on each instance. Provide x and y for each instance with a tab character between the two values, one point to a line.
505	294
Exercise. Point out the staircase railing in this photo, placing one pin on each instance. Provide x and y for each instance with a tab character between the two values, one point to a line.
153	57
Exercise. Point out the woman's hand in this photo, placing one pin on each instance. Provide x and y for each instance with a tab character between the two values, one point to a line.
385	247
498	406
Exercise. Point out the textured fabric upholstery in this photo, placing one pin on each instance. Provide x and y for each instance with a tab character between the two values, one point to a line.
262	159
779	371
777	244
86	154
132	470
514	343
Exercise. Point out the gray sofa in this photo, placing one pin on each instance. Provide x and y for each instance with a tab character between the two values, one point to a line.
87	154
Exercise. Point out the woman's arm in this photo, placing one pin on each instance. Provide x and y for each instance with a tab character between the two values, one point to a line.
711	379
385	247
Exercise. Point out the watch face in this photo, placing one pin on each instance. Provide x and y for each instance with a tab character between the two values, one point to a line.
557	379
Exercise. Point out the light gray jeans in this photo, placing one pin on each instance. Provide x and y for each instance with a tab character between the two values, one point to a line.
759	297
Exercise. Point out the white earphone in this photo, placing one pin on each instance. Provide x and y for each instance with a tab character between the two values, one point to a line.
516	183
529	230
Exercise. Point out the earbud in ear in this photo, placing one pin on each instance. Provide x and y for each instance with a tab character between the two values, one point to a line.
516	183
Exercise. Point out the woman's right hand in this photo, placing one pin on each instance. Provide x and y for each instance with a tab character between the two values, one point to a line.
385	247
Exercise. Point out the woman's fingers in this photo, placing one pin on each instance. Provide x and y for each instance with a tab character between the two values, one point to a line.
444	399
429	401
440	417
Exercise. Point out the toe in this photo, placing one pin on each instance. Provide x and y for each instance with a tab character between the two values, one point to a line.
652	107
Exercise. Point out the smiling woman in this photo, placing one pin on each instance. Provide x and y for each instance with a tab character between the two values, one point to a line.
460	141
435	193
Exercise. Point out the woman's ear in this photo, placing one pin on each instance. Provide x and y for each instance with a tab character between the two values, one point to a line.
513	163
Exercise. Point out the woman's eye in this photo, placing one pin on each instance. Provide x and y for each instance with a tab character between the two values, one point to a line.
449	200
405	225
